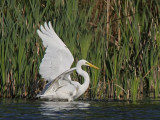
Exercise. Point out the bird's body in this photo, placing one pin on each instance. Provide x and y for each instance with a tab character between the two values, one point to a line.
55	68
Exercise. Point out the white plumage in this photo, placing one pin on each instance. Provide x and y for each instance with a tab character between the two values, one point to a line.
57	58
55	68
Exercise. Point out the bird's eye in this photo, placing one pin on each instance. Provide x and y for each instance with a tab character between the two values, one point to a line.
86	63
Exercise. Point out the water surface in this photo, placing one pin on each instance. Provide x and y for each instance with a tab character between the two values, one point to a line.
111	110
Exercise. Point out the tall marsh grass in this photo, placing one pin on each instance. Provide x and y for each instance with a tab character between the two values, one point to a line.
121	37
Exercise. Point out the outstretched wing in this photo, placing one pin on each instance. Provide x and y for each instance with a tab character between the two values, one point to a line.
57	58
59	82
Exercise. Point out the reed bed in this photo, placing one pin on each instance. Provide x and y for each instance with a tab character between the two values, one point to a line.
121	37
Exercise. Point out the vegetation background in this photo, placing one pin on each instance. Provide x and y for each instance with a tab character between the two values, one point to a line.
120	36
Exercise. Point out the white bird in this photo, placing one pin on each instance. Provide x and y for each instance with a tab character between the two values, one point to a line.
55	68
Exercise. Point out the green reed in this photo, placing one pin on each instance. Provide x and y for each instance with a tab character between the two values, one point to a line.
120	37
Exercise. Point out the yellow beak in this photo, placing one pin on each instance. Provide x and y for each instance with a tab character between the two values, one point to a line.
93	66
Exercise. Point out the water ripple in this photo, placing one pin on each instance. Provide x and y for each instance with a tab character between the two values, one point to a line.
114	110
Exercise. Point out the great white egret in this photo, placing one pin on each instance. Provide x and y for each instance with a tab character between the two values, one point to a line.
55	68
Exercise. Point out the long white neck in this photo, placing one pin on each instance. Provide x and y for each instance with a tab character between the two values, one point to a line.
85	85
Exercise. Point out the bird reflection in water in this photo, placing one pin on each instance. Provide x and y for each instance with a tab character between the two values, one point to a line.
50	107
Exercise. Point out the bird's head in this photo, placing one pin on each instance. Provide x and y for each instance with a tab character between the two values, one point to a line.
86	63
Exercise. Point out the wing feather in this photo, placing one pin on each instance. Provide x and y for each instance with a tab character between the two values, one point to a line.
56	83
46	33
57	58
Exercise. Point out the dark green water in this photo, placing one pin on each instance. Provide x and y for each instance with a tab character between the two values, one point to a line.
111	110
